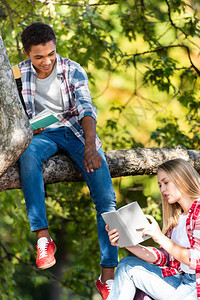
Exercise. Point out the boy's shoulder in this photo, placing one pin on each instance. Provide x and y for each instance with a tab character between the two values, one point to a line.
68	63
25	65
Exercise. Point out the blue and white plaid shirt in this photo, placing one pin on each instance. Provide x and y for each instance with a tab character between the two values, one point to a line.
75	93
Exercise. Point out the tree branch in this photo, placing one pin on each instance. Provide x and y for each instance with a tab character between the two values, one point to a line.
164	48
171	21
15	130
124	162
12	25
10	255
74	5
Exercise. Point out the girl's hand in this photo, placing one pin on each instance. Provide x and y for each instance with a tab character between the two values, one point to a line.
113	236
153	230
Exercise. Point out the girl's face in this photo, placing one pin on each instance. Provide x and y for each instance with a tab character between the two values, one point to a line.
168	189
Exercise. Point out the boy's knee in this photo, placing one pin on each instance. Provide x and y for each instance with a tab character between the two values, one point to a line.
29	158
105	202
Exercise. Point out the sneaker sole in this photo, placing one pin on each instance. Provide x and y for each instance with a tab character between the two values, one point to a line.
98	291
49	265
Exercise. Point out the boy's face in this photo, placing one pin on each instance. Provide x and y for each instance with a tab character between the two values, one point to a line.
43	57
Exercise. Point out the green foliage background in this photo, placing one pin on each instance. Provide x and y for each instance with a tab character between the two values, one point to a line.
142	59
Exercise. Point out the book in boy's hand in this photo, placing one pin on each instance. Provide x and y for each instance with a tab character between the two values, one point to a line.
44	119
129	221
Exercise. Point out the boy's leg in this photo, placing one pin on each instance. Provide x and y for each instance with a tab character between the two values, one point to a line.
102	192
30	162
40	148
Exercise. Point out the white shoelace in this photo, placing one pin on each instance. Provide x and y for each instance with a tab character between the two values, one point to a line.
109	284
42	247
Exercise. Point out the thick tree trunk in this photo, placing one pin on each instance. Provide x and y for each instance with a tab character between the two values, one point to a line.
125	162
15	133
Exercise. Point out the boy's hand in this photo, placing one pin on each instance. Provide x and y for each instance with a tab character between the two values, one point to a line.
92	159
37	131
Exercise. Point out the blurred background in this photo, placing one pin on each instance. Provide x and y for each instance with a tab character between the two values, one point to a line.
142	60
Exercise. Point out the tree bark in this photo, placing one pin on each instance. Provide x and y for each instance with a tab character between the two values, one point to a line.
15	133
125	162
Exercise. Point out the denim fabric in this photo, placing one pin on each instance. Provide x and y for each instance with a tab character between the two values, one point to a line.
133	273
46	144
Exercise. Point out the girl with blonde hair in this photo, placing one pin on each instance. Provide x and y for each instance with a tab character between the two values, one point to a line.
172	270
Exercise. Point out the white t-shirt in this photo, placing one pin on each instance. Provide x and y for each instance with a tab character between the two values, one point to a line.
179	236
48	95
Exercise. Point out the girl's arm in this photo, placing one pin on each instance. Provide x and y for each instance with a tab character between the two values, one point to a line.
194	251
178	252
145	253
148	253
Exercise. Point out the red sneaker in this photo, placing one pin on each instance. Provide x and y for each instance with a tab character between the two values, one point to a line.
45	253
104	288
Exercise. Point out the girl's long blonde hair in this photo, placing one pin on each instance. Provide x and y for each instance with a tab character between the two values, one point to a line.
187	180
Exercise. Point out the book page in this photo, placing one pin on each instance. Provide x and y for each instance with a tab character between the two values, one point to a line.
44	119
134	218
114	221
127	220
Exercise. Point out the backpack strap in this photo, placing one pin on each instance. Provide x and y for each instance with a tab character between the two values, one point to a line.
17	76
16	72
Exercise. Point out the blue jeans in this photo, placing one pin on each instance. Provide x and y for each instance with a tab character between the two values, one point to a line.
132	273
46	144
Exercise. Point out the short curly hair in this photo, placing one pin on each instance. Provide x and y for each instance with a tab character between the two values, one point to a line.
35	34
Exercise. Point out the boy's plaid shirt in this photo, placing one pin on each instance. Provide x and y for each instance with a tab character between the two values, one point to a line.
171	266
75	93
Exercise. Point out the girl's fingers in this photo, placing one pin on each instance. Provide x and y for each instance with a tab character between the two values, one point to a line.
113	236
150	218
139	228
107	228
114	241
110	231
113	231
144	233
